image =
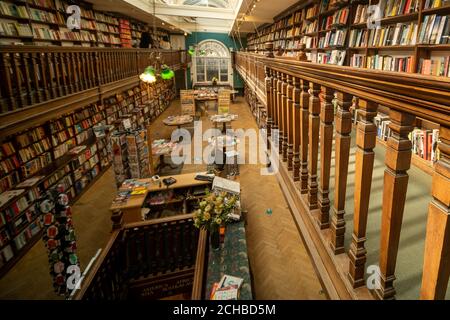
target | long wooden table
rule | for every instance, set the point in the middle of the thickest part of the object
(132, 208)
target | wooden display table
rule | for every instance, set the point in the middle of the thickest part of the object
(132, 208)
(178, 120)
(224, 119)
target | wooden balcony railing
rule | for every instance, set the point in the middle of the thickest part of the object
(299, 97)
(35, 75)
(141, 254)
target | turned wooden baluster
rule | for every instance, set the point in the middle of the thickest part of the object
(63, 68)
(398, 161)
(304, 131)
(366, 134)
(436, 265)
(70, 73)
(290, 122)
(275, 108)
(284, 115)
(296, 126)
(343, 121)
(274, 102)
(313, 148)
(280, 112)
(18, 77)
(84, 70)
(26, 62)
(269, 101)
(58, 71)
(326, 144)
(7, 81)
(76, 71)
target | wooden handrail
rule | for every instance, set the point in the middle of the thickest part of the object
(424, 96)
(309, 105)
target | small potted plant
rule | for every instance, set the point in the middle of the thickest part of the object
(213, 212)
(214, 81)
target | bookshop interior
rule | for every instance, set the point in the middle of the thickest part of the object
(224, 150)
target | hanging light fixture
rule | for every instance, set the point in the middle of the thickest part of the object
(167, 73)
(150, 73)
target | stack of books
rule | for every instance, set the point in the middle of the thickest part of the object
(227, 289)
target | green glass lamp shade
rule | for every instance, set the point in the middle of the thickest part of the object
(191, 51)
(167, 73)
(149, 75)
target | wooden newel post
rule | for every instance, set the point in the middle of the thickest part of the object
(326, 144)
(313, 150)
(366, 135)
(398, 161)
(436, 265)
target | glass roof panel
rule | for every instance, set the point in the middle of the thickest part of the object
(201, 3)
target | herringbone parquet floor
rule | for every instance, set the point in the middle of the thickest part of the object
(280, 263)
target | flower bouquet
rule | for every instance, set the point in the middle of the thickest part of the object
(214, 210)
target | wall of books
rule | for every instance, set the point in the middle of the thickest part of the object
(72, 150)
(407, 36)
(44, 22)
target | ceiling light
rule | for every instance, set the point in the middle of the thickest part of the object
(254, 6)
(163, 23)
(185, 34)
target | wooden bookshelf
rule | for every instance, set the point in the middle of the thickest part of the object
(415, 54)
(52, 17)
(77, 172)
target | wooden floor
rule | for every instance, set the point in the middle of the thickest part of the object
(280, 263)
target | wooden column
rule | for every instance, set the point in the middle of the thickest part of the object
(398, 161)
(268, 73)
(366, 140)
(326, 145)
(313, 150)
(289, 122)
(304, 130)
(296, 126)
(436, 265)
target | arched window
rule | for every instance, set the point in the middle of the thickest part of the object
(212, 60)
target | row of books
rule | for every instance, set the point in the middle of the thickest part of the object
(13, 10)
(424, 143)
(358, 38)
(338, 18)
(361, 13)
(435, 29)
(13, 29)
(437, 66)
(391, 63)
(333, 38)
(398, 35)
(336, 57)
(430, 4)
(391, 8)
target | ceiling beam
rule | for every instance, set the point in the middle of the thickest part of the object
(195, 12)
